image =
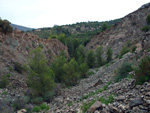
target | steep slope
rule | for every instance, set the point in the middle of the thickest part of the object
(128, 30)
(14, 49)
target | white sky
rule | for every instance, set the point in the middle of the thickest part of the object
(47, 13)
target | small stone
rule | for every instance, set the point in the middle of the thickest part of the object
(147, 102)
(120, 98)
(136, 102)
(95, 106)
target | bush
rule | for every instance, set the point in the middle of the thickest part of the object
(107, 100)
(123, 51)
(48, 96)
(109, 54)
(99, 53)
(148, 19)
(83, 69)
(4, 81)
(37, 100)
(86, 106)
(145, 28)
(5, 26)
(142, 73)
(71, 75)
(40, 107)
(90, 59)
(133, 48)
(36, 109)
(18, 67)
(123, 71)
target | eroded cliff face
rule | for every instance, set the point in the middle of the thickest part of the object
(125, 31)
(15, 47)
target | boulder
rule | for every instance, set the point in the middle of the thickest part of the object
(95, 106)
(136, 102)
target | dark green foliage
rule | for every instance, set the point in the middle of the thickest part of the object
(143, 71)
(40, 107)
(104, 26)
(39, 72)
(123, 51)
(109, 54)
(148, 19)
(90, 59)
(18, 67)
(57, 67)
(123, 71)
(86, 106)
(80, 54)
(71, 73)
(36, 109)
(5, 26)
(4, 81)
(20, 102)
(37, 100)
(90, 73)
(107, 100)
(48, 96)
(83, 69)
(145, 28)
(133, 48)
(99, 59)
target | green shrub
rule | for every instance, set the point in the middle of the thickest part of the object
(4, 81)
(109, 55)
(86, 106)
(133, 48)
(123, 51)
(5, 26)
(71, 73)
(83, 69)
(18, 67)
(142, 73)
(148, 19)
(36, 109)
(123, 71)
(145, 28)
(37, 100)
(40, 107)
(99, 53)
(90, 73)
(48, 96)
(44, 107)
(90, 59)
(107, 100)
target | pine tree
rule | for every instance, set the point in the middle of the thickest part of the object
(40, 76)
(90, 60)
(109, 55)
(99, 53)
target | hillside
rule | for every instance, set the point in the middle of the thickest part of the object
(78, 30)
(21, 28)
(126, 32)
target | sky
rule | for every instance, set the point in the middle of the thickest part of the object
(47, 13)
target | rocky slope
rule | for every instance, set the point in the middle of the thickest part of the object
(14, 49)
(128, 30)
